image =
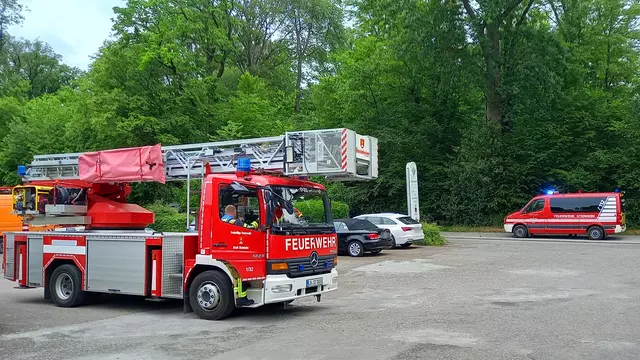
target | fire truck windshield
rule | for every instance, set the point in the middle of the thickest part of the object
(300, 209)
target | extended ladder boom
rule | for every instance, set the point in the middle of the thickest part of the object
(338, 154)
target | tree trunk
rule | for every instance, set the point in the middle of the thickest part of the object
(491, 51)
(298, 85)
(299, 50)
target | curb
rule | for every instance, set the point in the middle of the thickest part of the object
(610, 242)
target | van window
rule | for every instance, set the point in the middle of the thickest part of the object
(577, 205)
(537, 205)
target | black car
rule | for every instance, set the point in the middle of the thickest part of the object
(356, 236)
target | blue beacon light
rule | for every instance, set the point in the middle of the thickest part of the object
(244, 165)
(22, 170)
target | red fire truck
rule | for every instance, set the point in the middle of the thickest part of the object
(593, 214)
(105, 246)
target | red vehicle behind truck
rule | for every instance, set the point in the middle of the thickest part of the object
(593, 214)
(222, 263)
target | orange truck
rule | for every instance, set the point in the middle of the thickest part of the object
(8, 221)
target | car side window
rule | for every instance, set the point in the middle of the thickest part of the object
(387, 221)
(375, 220)
(340, 226)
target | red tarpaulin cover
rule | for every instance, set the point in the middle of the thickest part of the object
(123, 165)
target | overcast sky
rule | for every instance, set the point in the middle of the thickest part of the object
(74, 28)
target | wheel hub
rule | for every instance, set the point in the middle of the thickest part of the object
(208, 296)
(64, 286)
(354, 249)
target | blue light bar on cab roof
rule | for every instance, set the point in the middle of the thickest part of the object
(244, 165)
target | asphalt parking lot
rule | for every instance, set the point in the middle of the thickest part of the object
(480, 297)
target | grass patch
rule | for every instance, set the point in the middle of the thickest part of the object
(432, 236)
(480, 229)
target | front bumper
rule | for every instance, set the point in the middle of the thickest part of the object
(281, 288)
(508, 228)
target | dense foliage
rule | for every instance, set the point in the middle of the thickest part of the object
(494, 100)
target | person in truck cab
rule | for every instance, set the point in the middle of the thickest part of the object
(230, 216)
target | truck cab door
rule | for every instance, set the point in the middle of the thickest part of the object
(241, 246)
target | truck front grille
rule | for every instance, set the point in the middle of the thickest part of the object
(302, 266)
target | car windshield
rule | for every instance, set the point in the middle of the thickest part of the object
(300, 207)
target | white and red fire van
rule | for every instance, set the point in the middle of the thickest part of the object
(593, 214)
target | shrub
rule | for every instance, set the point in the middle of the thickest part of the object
(315, 209)
(168, 219)
(432, 235)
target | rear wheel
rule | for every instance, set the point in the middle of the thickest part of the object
(211, 295)
(65, 286)
(520, 231)
(595, 233)
(355, 249)
(393, 242)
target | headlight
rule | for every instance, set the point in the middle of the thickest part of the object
(281, 288)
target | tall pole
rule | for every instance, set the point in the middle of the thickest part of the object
(413, 204)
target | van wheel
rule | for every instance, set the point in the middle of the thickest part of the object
(595, 233)
(520, 231)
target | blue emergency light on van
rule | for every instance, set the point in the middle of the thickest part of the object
(244, 164)
(22, 170)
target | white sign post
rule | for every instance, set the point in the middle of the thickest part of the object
(413, 206)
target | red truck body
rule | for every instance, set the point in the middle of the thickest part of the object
(276, 263)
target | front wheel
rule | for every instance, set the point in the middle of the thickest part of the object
(355, 249)
(520, 231)
(211, 296)
(65, 286)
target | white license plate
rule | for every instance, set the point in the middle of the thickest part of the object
(314, 282)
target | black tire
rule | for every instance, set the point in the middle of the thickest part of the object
(520, 231)
(393, 242)
(595, 233)
(205, 307)
(375, 251)
(355, 248)
(65, 286)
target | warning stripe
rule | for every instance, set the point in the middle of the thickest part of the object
(344, 149)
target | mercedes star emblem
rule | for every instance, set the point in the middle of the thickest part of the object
(314, 259)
